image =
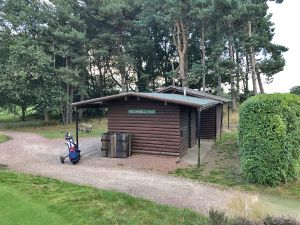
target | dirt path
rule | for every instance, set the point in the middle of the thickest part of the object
(30, 153)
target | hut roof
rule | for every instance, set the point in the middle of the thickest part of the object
(192, 92)
(163, 97)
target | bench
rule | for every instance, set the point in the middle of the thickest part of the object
(85, 127)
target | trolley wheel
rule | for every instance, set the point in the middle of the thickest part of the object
(62, 159)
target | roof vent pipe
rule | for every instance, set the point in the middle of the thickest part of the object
(184, 91)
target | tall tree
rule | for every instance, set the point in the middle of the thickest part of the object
(27, 64)
(69, 48)
(176, 14)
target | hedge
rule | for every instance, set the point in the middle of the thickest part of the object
(269, 138)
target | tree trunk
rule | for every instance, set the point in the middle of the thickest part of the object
(123, 81)
(181, 42)
(70, 104)
(62, 112)
(67, 104)
(140, 80)
(46, 115)
(246, 85)
(232, 82)
(260, 84)
(23, 109)
(237, 59)
(219, 92)
(253, 61)
(80, 111)
(203, 57)
(174, 75)
(183, 77)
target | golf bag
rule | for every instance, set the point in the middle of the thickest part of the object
(74, 152)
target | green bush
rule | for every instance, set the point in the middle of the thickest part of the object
(217, 217)
(269, 138)
(29, 123)
(280, 221)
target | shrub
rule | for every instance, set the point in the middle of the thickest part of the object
(217, 217)
(241, 221)
(29, 123)
(269, 138)
(280, 221)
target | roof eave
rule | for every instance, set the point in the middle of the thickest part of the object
(175, 101)
(176, 88)
(100, 102)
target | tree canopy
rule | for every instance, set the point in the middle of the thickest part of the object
(59, 51)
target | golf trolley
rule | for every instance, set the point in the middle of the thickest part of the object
(74, 152)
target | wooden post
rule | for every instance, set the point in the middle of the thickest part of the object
(221, 128)
(228, 107)
(76, 111)
(199, 122)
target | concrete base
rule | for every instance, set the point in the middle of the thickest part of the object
(191, 156)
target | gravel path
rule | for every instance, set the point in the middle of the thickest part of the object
(30, 153)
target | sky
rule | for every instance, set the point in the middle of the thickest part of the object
(286, 17)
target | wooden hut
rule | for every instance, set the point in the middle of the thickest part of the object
(161, 123)
(212, 117)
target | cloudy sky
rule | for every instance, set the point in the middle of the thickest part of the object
(286, 17)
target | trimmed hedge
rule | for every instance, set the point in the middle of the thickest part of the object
(269, 138)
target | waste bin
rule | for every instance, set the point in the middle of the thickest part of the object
(105, 144)
(116, 145)
(123, 145)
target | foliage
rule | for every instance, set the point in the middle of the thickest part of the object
(280, 221)
(219, 218)
(26, 124)
(37, 200)
(269, 138)
(223, 168)
(295, 90)
(60, 51)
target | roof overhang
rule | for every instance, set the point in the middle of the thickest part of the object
(192, 92)
(199, 103)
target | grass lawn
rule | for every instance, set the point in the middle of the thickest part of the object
(222, 167)
(53, 129)
(58, 131)
(30, 200)
(3, 138)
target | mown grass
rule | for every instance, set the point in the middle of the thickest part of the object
(224, 169)
(58, 131)
(51, 129)
(3, 138)
(31, 200)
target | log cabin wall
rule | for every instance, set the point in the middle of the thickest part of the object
(219, 109)
(194, 126)
(184, 130)
(208, 126)
(188, 128)
(157, 133)
(210, 118)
